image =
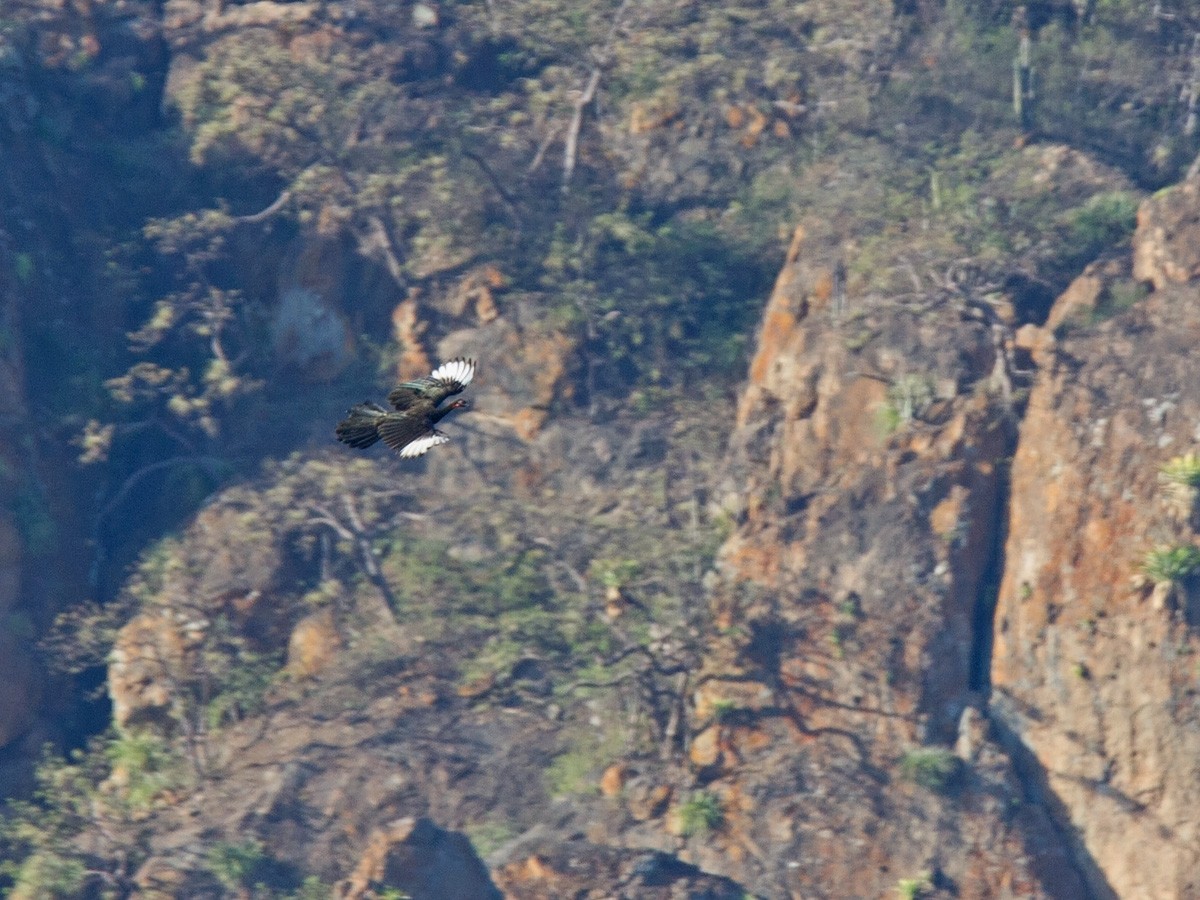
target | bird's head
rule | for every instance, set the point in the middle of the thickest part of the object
(460, 403)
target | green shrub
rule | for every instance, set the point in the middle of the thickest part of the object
(668, 303)
(573, 772)
(487, 837)
(1183, 470)
(146, 767)
(312, 888)
(1118, 297)
(616, 573)
(934, 768)
(238, 866)
(41, 850)
(48, 875)
(1172, 564)
(724, 709)
(701, 813)
(1102, 221)
(908, 398)
(914, 888)
(243, 688)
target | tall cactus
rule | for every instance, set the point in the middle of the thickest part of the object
(1022, 87)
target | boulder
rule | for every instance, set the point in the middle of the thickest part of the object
(143, 667)
(421, 859)
(314, 644)
(1166, 244)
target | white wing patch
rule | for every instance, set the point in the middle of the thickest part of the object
(460, 370)
(422, 444)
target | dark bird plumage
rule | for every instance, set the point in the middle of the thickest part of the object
(409, 428)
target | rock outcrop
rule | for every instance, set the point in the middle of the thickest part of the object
(1094, 671)
(867, 479)
(422, 860)
(1166, 249)
(577, 868)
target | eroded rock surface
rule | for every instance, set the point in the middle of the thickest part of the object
(1094, 669)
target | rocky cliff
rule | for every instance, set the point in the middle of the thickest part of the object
(907, 606)
(866, 563)
(1094, 676)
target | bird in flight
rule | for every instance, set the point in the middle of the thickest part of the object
(409, 427)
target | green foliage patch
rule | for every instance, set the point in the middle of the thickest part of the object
(238, 865)
(702, 813)
(1103, 220)
(914, 888)
(934, 768)
(145, 765)
(667, 303)
(1172, 564)
(1182, 470)
(104, 792)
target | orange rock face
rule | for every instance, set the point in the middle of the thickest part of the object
(419, 857)
(144, 663)
(1092, 676)
(1166, 247)
(314, 644)
(865, 475)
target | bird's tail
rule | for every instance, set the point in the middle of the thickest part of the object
(360, 428)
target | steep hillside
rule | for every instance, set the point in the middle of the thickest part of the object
(875, 581)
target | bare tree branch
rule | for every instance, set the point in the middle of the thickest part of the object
(587, 95)
(276, 205)
(572, 144)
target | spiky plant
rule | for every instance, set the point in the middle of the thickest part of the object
(1172, 564)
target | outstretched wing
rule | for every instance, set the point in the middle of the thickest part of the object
(410, 437)
(422, 444)
(445, 381)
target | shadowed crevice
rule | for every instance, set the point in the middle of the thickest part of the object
(1089, 881)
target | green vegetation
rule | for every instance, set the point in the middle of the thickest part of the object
(146, 767)
(701, 814)
(724, 709)
(615, 573)
(47, 874)
(1182, 470)
(934, 768)
(104, 792)
(1102, 221)
(237, 865)
(577, 770)
(1172, 564)
(572, 772)
(914, 888)
(312, 888)
(667, 303)
(487, 837)
(1118, 297)
(243, 687)
(908, 398)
